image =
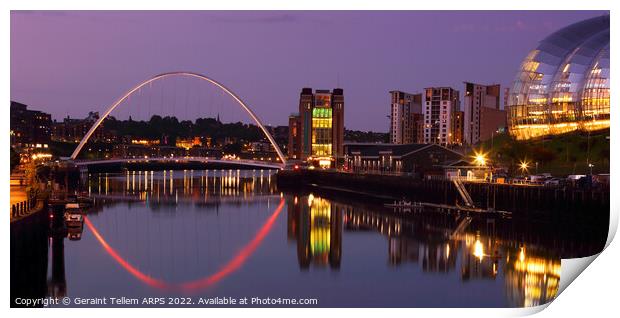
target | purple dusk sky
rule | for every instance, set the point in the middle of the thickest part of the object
(68, 63)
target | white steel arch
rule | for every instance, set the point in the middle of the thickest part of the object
(180, 73)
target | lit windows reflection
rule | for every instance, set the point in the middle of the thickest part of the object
(531, 275)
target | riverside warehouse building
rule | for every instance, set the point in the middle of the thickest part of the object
(410, 159)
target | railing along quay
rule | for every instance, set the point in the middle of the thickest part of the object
(24, 208)
(522, 199)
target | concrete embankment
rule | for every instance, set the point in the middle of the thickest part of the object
(29, 253)
(521, 200)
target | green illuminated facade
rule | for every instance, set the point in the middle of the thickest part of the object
(316, 134)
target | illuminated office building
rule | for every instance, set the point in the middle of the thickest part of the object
(29, 128)
(563, 84)
(316, 134)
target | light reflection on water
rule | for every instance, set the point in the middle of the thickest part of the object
(182, 227)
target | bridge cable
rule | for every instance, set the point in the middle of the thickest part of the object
(161, 101)
(150, 89)
(174, 98)
(186, 100)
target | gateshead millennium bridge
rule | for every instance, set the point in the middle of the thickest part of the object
(237, 99)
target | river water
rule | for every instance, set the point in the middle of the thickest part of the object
(205, 235)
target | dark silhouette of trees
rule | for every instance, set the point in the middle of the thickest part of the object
(234, 148)
(159, 126)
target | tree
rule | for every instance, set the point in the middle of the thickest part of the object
(234, 148)
(541, 154)
(30, 179)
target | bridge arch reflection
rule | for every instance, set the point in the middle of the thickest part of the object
(230, 267)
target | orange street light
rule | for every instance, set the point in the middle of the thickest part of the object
(524, 166)
(480, 158)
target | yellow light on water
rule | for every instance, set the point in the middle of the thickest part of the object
(478, 250)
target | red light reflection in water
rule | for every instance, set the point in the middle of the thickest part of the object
(233, 265)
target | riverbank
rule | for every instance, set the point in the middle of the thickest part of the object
(29, 254)
(523, 201)
(23, 206)
(562, 155)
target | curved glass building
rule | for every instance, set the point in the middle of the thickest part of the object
(563, 84)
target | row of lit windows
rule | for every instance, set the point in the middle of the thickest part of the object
(322, 113)
(321, 136)
(321, 123)
(321, 150)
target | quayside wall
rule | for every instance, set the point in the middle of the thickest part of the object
(522, 200)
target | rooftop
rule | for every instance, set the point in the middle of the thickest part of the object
(374, 149)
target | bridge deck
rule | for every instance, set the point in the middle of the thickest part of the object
(240, 162)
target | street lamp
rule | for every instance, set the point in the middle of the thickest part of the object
(480, 158)
(524, 166)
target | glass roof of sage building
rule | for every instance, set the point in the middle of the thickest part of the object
(563, 84)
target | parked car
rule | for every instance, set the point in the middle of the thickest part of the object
(585, 182)
(538, 179)
(575, 177)
(554, 182)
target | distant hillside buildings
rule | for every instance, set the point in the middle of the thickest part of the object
(73, 129)
(29, 128)
(34, 132)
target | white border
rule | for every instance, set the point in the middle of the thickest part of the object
(594, 293)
